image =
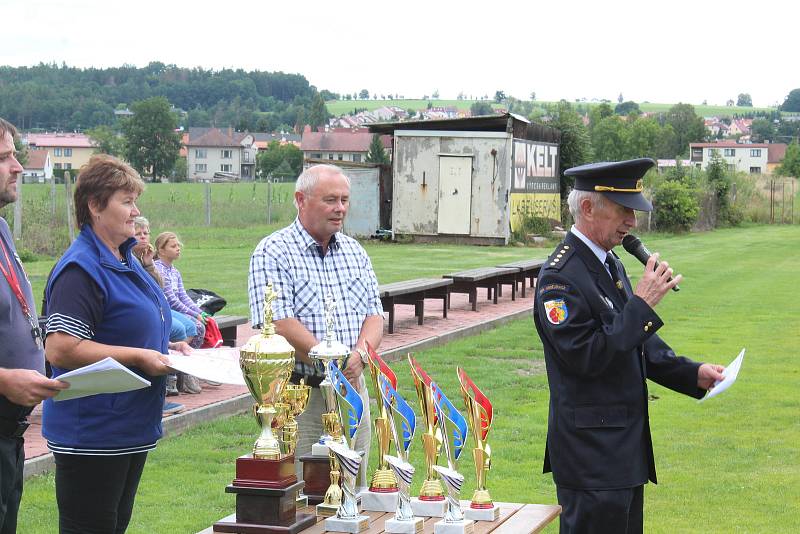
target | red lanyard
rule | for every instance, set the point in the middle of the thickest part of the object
(13, 281)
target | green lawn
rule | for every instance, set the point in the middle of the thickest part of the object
(728, 465)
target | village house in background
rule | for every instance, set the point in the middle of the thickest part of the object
(220, 155)
(340, 144)
(753, 158)
(67, 150)
(39, 168)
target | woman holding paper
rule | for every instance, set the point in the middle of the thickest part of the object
(102, 303)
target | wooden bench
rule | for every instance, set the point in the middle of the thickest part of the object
(489, 277)
(415, 292)
(527, 270)
(227, 327)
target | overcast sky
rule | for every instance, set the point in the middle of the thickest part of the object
(670, 51)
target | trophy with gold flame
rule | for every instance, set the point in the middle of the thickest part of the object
(431, 501)
(266, 485)
(382, 493)
(479, 417)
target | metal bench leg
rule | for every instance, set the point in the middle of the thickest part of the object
(496, 288)
(391, 318)
(419, 310)
(473, 296)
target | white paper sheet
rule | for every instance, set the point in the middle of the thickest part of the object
(219, 365)
(105, 376)
(730, 373)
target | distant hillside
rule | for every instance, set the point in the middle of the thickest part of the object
(344, 107)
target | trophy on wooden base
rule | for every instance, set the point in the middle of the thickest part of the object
(351, 411)
(431, 501)
(479, 417)
(403, 426)
(295, 396)
(382, 493)
(454, 431)
(266, 485)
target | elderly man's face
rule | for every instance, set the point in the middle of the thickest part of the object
(322, 211)
(607, 225)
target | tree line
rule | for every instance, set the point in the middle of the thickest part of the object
(59, 97)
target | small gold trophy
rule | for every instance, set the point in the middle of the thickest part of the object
(266, 485)
(479, 417)
(382, 493)
(431, 501)
(295, 396)
(330, 350)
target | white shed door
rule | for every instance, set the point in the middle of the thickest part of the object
(455, 193)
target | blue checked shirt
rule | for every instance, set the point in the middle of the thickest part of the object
(292, 260)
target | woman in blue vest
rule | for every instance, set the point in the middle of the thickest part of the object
(101, 303)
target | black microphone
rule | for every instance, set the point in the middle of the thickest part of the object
(636, 248)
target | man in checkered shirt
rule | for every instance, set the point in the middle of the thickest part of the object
(306, 261)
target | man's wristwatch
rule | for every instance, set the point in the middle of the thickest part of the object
(364, 357)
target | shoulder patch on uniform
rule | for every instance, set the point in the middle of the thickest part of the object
(556, 311)
(558, 257)
(553, 287)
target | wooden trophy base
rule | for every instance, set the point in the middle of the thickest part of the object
(259, 473)
(317, 476)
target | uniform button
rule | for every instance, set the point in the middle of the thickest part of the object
(566, 247)
(559, 256)
(556, 260)
(649, 323)
(562, 251)
(552, 263)
(646, 328)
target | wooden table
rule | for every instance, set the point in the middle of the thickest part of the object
(514, 518)
(489, 277)
(526, 270)
(415, 292)
(227, 325)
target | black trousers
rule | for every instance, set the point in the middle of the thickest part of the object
(12, 463)
(95, 494)
(601, 511)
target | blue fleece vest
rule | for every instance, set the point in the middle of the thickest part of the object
(135, 314)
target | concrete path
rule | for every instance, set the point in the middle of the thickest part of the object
(225, 400)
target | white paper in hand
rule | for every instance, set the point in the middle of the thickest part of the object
(105, 376)
(219, 365)
(730, 373)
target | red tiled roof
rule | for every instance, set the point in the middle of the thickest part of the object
(335, 141)
(36, 159)
(216, 137)
(64, 140)
(776, 152)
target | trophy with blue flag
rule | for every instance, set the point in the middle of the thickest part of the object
(479, 416)
(351, 410)
(403, 424)
(454, 434)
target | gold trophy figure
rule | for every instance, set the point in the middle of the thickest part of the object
(382, 493)
(295, 396)
(431, 501)
(330, 350)
(479, 416)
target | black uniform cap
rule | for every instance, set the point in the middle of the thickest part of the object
(620, 181)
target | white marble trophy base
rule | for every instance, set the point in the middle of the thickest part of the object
(465, 526)
(482, 514)
(319, 449)
(413, 526)
(351, 526)
(375, 501)
(428, 508)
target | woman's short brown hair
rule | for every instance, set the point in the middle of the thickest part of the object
(98, 180)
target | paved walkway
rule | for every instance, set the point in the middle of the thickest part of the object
(408, 337)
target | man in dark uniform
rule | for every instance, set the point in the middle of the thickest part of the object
(600, 344)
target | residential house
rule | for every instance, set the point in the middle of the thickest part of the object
(775, 154)
(340, 144)
(39, 168)
(664, 164)
(752, 158)
(67, 150)
(263, 139)
(739, 127)
(212, 150)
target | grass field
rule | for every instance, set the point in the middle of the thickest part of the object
(728, 465)
(344, 107)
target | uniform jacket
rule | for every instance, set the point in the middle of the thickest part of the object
(135, 314)
(599, 349)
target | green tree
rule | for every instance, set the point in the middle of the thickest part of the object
(107, 140)
(481, 108)
(318, 115)
(687, 126)
(626, 108)
(151, 143)
(364, 94)
(792, 101)
(575, 147)
(376, 153)
(674, 206)
(744, 100)
(598, 113)
(719, 185)
(269, 160)
(790, 166)
(609, 139)
(180, 171)
(643, 137)
(22, 151)
(499, 96)
(435, 94)
(762, 130)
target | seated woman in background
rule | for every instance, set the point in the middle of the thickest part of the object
(102, 303)
(168, 250)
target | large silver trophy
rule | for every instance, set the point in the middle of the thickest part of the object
(454, 433)
(329, 350)
(403, 424)
(351, 411)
